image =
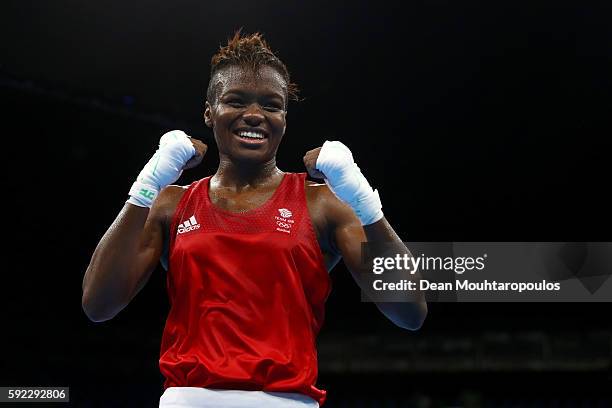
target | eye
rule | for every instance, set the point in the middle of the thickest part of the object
(273, 107)
(235, 103)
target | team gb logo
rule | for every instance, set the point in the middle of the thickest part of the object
(285, 213)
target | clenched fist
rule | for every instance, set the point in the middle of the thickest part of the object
(310, 161)
(201, 149)
(334, 163)
(176, 152)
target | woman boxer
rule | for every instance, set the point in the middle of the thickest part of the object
(247, 250)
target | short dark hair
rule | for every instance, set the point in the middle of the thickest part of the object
(248, 51)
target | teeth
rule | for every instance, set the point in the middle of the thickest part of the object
(253, 135)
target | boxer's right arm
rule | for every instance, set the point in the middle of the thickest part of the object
(131, 248)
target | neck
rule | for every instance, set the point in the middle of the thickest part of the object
(244, 174)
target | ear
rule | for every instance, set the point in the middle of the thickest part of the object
(208, 115)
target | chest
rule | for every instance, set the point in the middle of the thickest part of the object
(239, 202)
(249, 200)
(250, 211)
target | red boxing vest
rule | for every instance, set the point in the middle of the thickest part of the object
(247, 293)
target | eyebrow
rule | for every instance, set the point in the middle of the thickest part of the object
(250, 94)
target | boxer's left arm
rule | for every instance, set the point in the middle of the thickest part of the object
(348, 231)
(347, 235)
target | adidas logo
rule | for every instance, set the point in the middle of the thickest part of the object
(189, 225)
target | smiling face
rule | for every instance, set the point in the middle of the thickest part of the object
(248, 113)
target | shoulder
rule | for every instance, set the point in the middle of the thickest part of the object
(171, 194)
(324, 204)
(167, 201)
(318, 195)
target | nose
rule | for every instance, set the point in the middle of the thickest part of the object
(253, 116)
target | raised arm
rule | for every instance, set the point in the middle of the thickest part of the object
(131, 247)
(355, 216)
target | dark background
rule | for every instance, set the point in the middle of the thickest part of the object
(484, 121)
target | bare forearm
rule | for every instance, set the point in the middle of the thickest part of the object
(381, 231)
(109, 280)
(411, 313)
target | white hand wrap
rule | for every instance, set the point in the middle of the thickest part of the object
(165, 167)
(345, 180)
